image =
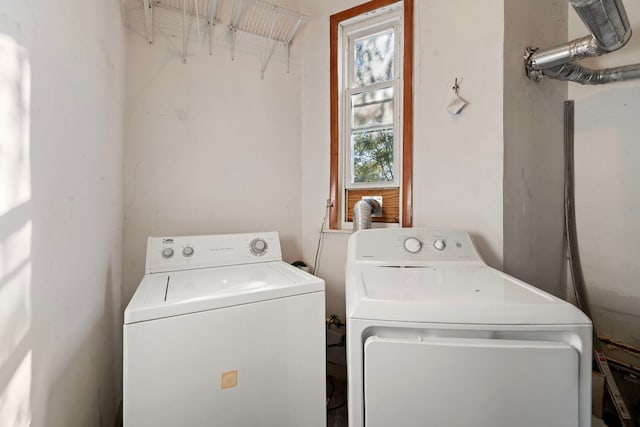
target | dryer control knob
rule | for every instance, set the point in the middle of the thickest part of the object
(167, 253)
(258, 247)
(439, 244)
(413, 245)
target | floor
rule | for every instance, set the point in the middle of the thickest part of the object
(336, 402)
(597, 423)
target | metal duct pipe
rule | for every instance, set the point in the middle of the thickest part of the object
(362, 211)
(608, 22)
(577, 73)
(577, 49)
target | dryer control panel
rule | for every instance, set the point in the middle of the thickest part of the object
(411, 246)
(178, 253)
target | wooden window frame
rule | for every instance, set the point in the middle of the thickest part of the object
(407, 107)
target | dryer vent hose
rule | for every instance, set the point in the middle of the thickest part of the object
(362, 211)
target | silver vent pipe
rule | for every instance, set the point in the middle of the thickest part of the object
(610, 30)
(575, 72)
(583, 47)
(606, 20)
(362, 211)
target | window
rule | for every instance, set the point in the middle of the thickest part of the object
(371, 109)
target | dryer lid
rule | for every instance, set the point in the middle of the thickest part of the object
(448, 293)
(444, 285)
(177, 293)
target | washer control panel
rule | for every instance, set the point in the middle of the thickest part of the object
(190, 252)
(411, 245)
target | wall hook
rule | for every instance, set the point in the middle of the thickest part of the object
(457, 104)
(456, 87)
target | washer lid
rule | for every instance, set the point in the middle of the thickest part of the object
(177, 293)
(446, 293)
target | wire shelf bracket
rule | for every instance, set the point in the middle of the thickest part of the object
(274, 23)
(194, 8)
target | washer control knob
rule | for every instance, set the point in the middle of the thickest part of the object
(187, 251)
(439, 244)
(258, 247)
(167, 253)
(413, 245)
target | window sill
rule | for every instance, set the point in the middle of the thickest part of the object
(348, 228)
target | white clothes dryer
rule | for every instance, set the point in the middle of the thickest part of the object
(222, 332)
(435, 337)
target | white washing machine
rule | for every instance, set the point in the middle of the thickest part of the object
(435, 337)
(222, 332)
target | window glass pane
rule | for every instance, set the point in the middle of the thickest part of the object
(372, 108)
(372, 154)
(373, 59)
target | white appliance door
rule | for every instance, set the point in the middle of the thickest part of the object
(260, 364)
(457, 382)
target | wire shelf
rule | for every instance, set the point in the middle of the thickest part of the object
(275, 23)
(201, 9)
(266, 20)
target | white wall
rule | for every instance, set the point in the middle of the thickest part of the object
(534, 151)
(458, 166)
(607, 155)
(61, 80)
(210, 147)
(457, 160)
